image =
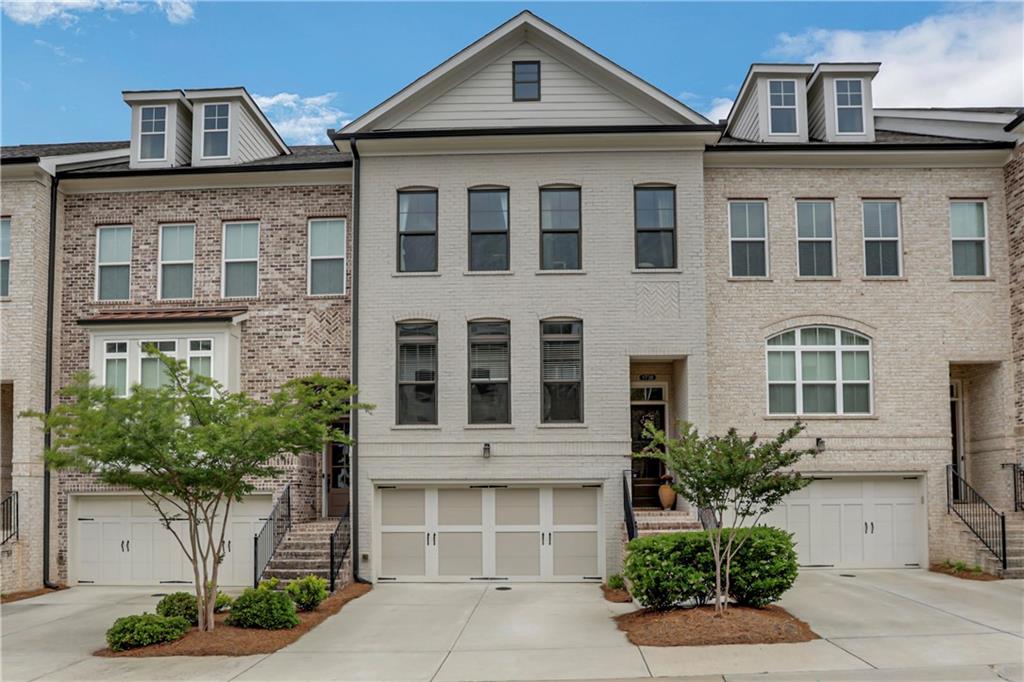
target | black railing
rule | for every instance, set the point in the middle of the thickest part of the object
(269, 537)
(627, 504)
(9, 518)
(341, 539)
(977, 514)
(1017, 471)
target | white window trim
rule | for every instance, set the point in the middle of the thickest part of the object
(728, 227)
(795, 107)
(839, 382)
(10, 231)
(161, 263)
(832, 239)
(224, 258)
(310, 257)
(131, 247)
(898, 238)
(107, 355)
(202, 135)
(984, 240)
(189, 353)
(163, 157)
(143, 356)
(862, 107)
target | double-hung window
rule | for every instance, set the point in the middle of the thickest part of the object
(561, 371)
(417, 230)
(215, 130)
(525, 81)
(241, 260)
(819, 370)
(489, 372)
(748, 239)
(782, 107)
(5, 257)
(967, 222)
(177, 260)
(417, 373)
(115, 367)
(326, 257)
(113, 262)
(560, 228)
(488, 229)
(849, 106)
(815, 245)
(153, 373)
(152, 133)
(881, 238)
(655, 219)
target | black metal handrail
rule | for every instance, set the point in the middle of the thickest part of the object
(9, 517)
(627, 504)
(1017, 471)
(987, 524)
(269, 537)
(341, 539)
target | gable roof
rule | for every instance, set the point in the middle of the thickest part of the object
(30, 153)
(519, 28)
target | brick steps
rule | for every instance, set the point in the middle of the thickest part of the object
(657, 522)
(304, 550)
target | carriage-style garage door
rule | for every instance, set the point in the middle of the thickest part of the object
(855, 522)
(480, 533)
(120, 540)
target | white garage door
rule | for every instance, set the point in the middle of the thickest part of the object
(489, 533)
(120, 540)
(855, 522)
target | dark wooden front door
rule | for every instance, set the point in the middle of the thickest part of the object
(646, 472)
(337, 470)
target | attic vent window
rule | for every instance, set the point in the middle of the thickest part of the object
(152, 133)
(215, 131)
(525, 81)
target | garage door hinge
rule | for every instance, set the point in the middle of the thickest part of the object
(177, 582)
(591, 577)
(386, 487)
(82, 518)
(487, 578)
(592, 485)
(87, 581)
(488, 486)
(380, 578)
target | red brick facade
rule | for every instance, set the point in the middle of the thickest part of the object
(287, 334)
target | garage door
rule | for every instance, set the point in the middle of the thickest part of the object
(120, 540)
(855, 522)
(489, 533)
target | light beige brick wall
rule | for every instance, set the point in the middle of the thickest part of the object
(624, 314)
(1014, 183)
(920, 323)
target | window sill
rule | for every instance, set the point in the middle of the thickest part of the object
(884, 278)
(488, 427)
(819, 417)
(241, 298)
(429, 273)
(415, 427)
(326, 297)
(572, 425)
(657, 271)
(749, 279)
(817, 279)
(561, 272)
(972, 279)
(488, 273)
(112, 301)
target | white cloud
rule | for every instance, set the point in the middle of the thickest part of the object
(719, 109)
(59, 51)
(66, 12)
(966, 57)
(302, 120)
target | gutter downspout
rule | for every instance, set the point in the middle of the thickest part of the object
(354, 420)
(51, 276)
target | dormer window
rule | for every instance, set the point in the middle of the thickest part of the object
(215, 131)
(152, 133)
(782, 107)
(850, 106)
(525, 81)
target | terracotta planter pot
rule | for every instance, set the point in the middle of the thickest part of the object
(666, 496)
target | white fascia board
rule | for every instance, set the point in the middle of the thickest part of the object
(51, 164)
(242, 95)
(864, 69)
(947, 115)
(155, 97)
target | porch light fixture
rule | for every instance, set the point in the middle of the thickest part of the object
(819, 444)
(487, 450)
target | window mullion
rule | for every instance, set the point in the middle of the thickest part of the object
(799, 361)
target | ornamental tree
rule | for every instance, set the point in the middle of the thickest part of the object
(192, 448)
(732, 479)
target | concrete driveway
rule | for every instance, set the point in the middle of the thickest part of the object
(878, 625)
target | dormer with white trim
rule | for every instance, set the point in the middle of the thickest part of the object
(161, 128)
(839, 102)
(772, 104)
(230, 128)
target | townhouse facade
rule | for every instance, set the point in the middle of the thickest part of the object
(521, 258)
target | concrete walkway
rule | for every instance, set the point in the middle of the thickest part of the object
(878, 625)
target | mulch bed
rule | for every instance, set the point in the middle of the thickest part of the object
(617, 596)
(226, 640)
(700, 627)
(28, 594)
(964, 575)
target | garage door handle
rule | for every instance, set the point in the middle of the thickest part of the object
(542, 539)
(872, 527)
(865, 527)
(122, 545)
(229, 545)
(129, 545)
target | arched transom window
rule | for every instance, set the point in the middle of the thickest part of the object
(819, 370)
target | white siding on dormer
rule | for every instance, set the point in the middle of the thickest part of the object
(747, 124)
(485, 99)
(250, 142)
(183, 138)
(816, 112)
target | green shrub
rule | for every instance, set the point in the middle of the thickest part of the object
(179, 604)
(308, 592)
(763, 568)
(132, 632)
(616, 581)
(664, 570)
(222, 602)
(263, 608)
(269, 584)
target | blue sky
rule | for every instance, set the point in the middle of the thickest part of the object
(315, 65)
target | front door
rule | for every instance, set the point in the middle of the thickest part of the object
(337, 470)
(956, 422)
(646, 472)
